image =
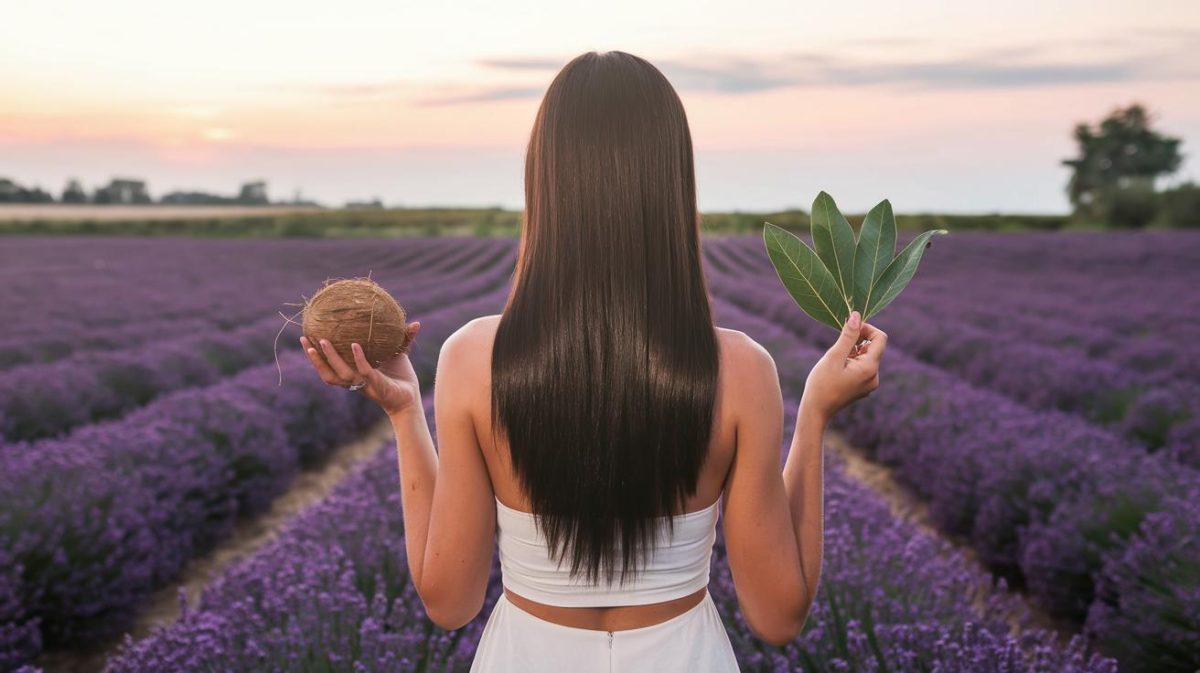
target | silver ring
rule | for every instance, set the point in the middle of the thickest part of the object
(357, 386)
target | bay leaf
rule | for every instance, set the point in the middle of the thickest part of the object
(898, 273)
(833, 238)
(875, 249)
(805, 276)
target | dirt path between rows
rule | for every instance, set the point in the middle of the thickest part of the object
(907, 506)
(902, 503)
(249, 535)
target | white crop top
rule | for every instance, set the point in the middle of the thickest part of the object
(674, 568)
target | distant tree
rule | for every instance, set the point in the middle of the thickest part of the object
(74, 193)
(122, 190)
(254, 192)
(1118, 160)
(374, 204)
(11, 192)
(38, 195)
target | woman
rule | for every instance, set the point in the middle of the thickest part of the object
(593, 425)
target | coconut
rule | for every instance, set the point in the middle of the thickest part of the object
(358, 311)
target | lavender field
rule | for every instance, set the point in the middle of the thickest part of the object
(1039, 404)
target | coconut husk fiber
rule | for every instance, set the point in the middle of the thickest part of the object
(356, 310)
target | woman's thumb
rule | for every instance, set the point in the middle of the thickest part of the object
(850, 331)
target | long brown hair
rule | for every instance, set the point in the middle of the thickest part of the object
(605, 363)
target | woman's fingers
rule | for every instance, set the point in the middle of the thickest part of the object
(360, 362)
(878, 337)
(872, 332)
(323, 370)
(343, 370)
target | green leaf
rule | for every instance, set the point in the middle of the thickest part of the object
(834, 240)
(800, 269)
(876, 246)
(897, 274)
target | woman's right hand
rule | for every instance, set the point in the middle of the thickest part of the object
(847, 372)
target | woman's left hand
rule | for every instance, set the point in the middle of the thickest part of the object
(393, 385)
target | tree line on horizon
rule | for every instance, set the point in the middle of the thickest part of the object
(132, 191)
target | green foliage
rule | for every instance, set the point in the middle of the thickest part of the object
(806, 278)
(875, 250)
(984, 222)
(1131, 207)
(834, 240)
(1121, 152)
(11, 192)
(1180, 207)
(897, 274)
(844, 274)
(742, 222)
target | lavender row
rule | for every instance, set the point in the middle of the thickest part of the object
(152, 280)
(76, 295)
(1047, 500)
(1160, 352)
(45, 400)
(279, 276)
(156, 278)
(1151, 412)
(332, 593)
(95, 521)
(1139, 407)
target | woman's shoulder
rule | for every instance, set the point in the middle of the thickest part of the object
(740, 348)
(475, 337)
(479, 329)
(747, 368)
(466, 355)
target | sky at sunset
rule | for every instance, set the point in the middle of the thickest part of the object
(950, 107)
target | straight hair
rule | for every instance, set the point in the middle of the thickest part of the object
(605, 362)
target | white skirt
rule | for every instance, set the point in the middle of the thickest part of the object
(515, 641)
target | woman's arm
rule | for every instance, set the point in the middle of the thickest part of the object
(447, 496)
(845, 373)
(804, 481)
(417, 462)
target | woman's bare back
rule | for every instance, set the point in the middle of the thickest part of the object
(507, 487)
